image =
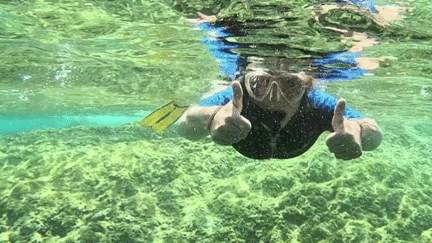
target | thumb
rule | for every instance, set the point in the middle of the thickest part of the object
(237, 98)
(338, 118)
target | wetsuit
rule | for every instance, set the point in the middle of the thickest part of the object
(268, 140)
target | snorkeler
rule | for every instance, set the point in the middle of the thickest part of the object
(279, 115)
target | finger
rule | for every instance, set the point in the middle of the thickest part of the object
(338, 118)
(338, 142)
(228, 136)
(242, 126)
(237, 98)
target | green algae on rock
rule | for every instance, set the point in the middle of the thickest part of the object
(171, 190)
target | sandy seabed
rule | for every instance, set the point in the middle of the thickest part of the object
(128, 184)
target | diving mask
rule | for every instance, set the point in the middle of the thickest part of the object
(261, 85)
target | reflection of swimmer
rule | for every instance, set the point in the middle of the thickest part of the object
(279, 115)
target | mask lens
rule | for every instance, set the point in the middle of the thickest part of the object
(259, 86)
(291, 88)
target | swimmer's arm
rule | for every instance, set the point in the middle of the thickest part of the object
(193, 123)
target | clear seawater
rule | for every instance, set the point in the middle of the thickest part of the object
(77, 76)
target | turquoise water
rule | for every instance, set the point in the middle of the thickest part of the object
(68, 57)
(76, 76)
(12, 124)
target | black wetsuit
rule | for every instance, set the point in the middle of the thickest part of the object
(268, 140)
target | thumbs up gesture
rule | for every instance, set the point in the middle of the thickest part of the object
(228, 126)
(345, 141)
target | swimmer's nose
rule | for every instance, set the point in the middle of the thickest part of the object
(275, 92)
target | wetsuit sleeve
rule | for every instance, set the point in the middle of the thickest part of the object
(327, 102)
(219, 98)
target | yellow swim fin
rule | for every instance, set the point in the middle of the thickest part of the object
(164, 116)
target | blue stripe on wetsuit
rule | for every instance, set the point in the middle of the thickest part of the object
(219, 98)
(318, 98)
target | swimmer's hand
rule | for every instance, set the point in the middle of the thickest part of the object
(345, 141)
(351, 137)
(228, 126)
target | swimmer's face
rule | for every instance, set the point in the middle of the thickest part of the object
(278, 93)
